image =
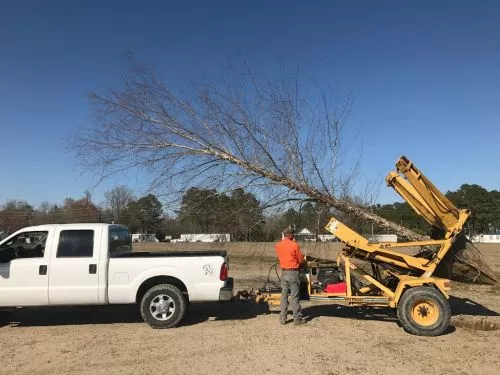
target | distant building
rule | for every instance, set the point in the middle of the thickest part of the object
(306, 235)
(203, 237)
(486, 238)
(326, 238)
(140, 237)
(383, 238)
(303, 235)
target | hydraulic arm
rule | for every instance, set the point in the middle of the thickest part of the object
(428, 202)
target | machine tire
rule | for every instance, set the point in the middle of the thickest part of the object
(163, 306)
(424, 311)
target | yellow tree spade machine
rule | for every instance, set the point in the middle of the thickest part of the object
(386, 275)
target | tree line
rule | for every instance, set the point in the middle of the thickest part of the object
(239, 213)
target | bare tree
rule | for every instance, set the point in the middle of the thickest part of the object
(14, 215)
(227, 134)
(44, 207)
(117, 200)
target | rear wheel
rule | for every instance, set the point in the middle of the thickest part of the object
(424, 311)
(163, 306)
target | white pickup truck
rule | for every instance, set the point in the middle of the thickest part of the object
(93, 264)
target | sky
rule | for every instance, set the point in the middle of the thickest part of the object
(424, 77)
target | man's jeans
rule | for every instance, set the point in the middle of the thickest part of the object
(290, 283)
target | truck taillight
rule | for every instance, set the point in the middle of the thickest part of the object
(223, 272)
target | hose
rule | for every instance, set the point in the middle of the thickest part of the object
(275, 266)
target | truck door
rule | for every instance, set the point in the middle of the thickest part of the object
(24, 269)
(74, 271)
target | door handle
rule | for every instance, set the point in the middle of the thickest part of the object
(42, 270)
(93, 268)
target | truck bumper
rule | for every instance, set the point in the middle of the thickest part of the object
(226, 292)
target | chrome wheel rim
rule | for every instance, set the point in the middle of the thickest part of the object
(162, 307)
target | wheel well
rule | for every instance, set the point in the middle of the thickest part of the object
(157, 280)
(429, 285)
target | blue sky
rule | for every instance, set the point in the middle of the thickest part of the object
(425, 77)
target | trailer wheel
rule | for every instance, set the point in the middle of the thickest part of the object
(424, 311)
(163, 306)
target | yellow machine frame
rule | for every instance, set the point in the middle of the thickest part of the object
(409, 270)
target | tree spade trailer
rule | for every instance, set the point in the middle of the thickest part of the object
(380, 274)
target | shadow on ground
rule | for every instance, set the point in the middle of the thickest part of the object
(199, 313)
(350, 312)
(360, 313)
(465, 306)
(54, 316)
(48, 316)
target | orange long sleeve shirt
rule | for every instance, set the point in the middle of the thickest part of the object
(289, 254)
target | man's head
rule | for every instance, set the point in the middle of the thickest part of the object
(289, 233)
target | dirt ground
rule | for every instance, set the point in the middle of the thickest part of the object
(243, 338)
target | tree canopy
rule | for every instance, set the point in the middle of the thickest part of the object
(208, 211)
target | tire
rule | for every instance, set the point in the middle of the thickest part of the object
(163, 306)
(4, 317)
(424, 311)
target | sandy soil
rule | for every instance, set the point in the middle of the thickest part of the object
(242, 338)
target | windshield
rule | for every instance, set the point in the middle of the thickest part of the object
(120, 240)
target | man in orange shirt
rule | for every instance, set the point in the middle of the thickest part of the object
(290, 257)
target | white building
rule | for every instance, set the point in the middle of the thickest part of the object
(303, 235)
(326, 238)
(383, 238)
(306, 235)
(204, 237)
(139, 237)
(485, 238)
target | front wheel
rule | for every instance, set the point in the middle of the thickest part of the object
(163, 306)
(424, 311)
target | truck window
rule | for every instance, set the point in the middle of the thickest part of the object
(76, 244)
(24, 245)
(119, 241)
